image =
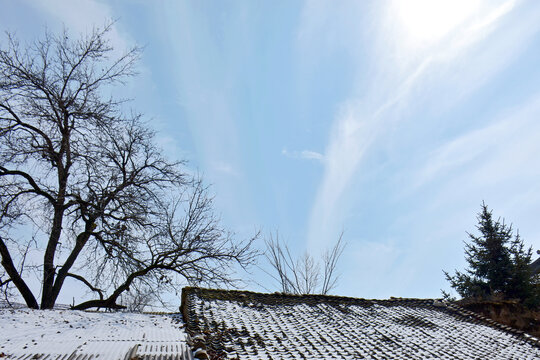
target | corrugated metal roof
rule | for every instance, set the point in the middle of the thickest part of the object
(66, 334)
(118, 350)
(251, 325)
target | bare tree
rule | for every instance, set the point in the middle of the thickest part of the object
(105, 208)
(303, 275)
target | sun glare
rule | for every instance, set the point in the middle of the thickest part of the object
(427, 21)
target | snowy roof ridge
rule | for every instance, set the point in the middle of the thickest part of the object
(225, 294)
(526, 337)
(273, 325)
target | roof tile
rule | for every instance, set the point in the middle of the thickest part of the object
(252, 325)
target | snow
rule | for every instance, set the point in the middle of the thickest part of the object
(109, 335)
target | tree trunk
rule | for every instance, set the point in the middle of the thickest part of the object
(25, 291)
(47, 298)
(81, 241)
(110, 302)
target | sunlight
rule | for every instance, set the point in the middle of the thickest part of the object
(427, 21)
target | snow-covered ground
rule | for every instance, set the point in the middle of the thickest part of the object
(109, 335)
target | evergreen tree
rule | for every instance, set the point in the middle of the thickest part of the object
(498, 264)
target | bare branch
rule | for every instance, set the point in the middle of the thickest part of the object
(303, 275)
(330, 260)
(87, 283)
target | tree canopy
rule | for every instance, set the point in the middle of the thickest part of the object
(84, 186)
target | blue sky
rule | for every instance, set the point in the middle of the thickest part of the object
(389, 120)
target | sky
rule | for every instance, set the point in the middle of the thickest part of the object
(390, 121)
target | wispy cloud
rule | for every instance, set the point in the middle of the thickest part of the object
(363, 119)
(304, 154)
(510, 143)
(226, 168)
(82, 16)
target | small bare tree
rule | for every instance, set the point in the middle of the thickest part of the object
(139, 297)
(103, 205)
(303, 275)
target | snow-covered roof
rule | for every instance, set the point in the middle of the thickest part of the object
(250, 325)
(70, 334)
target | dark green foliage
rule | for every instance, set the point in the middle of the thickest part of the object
(498, 264)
